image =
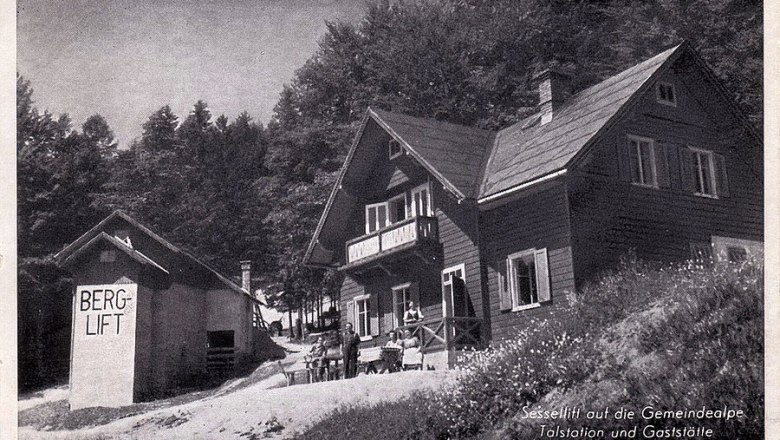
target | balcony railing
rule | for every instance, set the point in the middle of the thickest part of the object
(455, 333)
(411, 230)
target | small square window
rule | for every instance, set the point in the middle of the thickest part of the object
(394, 149)
(108, 256)
(666, 94)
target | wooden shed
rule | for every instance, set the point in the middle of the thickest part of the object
(148, 317)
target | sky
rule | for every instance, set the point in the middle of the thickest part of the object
(124, 59)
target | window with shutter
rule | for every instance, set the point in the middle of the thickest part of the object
(704, 174)
(401, 296)
(529, 279)
(362, 310)
(642, 161)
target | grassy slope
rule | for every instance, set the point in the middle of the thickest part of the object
(671, 338)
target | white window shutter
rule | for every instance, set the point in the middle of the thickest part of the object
(387, 310)
(721, 177)
(373, 311)
(504, 295)
(542, 275)
(661, 165)
(351, 313)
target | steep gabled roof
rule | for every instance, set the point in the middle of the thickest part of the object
(98, 231)
(117, 243)
(484, 165)
(453, 153)
(521, 154)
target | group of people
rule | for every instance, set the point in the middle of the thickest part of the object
(405, 355)
(350, 342)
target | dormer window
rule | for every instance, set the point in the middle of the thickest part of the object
(394, 149)
(665, 94)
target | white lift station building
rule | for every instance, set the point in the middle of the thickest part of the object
(149, 318)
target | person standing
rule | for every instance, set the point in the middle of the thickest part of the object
(413, 314)
(349, 349)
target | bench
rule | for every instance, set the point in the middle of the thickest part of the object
(290, 375)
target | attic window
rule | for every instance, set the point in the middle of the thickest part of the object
(394, 149)
(666, 94)
(108, 256)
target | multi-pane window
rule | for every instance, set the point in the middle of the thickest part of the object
(453, 285)
(376, 217)
(642, 161)
(704, 172)
(421, 201)
(398, 208)
(401, 297)
(666, 94)
(362, 307)
(522, 270)
(523, 280)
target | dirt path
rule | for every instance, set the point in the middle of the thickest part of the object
(263, 409)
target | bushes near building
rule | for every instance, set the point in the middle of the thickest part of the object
(672, 338)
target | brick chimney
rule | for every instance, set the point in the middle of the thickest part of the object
(553, 91)
(246, 275)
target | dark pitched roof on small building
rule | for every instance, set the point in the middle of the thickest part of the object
(117, 243)
(97, 233)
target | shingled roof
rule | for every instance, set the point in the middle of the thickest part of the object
(481, 163)
(455, 152)
(521, 154)
(484, 165)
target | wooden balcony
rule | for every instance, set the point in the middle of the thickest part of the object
(457, 333)
(391, 240)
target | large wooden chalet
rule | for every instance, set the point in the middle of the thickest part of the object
(484, 228)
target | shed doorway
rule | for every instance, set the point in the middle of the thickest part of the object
(221, 353)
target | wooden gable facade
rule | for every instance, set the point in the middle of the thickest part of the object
(656, 159)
